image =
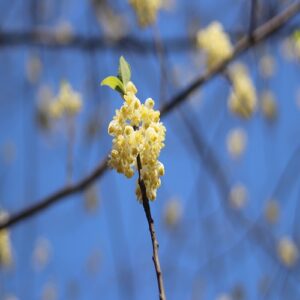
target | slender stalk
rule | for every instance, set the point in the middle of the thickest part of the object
(155, 245)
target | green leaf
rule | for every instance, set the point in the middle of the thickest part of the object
(124, 72)
(114, 83)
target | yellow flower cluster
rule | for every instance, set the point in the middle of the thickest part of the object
(287, 251)
(68, 102)
(272, 211)
(215, 43)
(268, 105)
(146, 10)
(5, 247)
(137, 130)
(236, 142)
(173, 212)
(242, 99)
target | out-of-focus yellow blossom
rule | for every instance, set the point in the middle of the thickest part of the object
(114, 24)
(137, 129)
(68, 102)
(287, 49)
(41, 253)
(33, 68)
(296, 40)
(268, 105)
(236, 142)
(91, 198)
(224, 297)
(5, 246)
(172, 212)
(287, 251)
(238, 196)
(49, 291)
(242, 99)
(290, 47)
(64, 32)
(267, 66)
(215, 44)
(146, 11)
(272, 211)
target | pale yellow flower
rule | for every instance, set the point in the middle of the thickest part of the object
(242, 100)
(267, 66)
(236, 142)
(67, 103)
(268, 105)
(238, 196)
(215, 44)
(173, 212)
(272, 211)
(146, 11)
(5, 246)
(137, 130)
(287, 251)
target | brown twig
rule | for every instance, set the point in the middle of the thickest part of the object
(260, 34)
(155, 257)
(252, 23)
(54, 198)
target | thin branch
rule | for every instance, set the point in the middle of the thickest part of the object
(155, 257)
(52, 40)
(252, 24)
(56, 197)
(260, 34)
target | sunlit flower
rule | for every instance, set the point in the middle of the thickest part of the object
(272, 211)
(172, 212)
(242, 99)
(267, 66)
(5, 246)
(215, 44)
(146, 11)
(268, 105)
(236, 142)
(137, 130)
(68, 102)
(238, 196)
(287, 251)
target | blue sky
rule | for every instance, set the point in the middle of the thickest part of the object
(105, 252)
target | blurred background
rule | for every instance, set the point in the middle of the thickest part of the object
(227, 213)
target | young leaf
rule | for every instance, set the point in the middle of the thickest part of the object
(114, 83)
(124, 72)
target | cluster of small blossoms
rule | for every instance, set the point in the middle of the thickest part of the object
(68, 102)
(215, 43)
(146, 11)
(5, 247)
(242, 99)
(137, 130)
(287, 251)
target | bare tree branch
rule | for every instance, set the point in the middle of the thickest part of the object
(155, 257)
(56, 197)
(260, 34)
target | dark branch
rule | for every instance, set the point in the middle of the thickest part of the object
(155, 257)
(56, 197)
(52, 40)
